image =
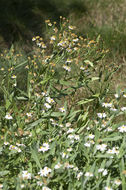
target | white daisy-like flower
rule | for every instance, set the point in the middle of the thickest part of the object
(76, 137)
(91, 136)
(123, 109)
(75, 40)
(68, 60)
(45, 171)
(6, 143)
(45, 188)
(69, 149)
(89, 174)
(1, 186)
(101, 147)
(13, 77)
(100, 170)
(82, 68)
(116, 95)
(122, 128)
(105, 172)
(47, 105)
(117, 182)
(57, 166)
(45, 147)
(70, 130)
(29, 114)
(107, 105)
(64, 155)
(114, 150)
(62, 109)
(8, 116)
(101, 115)
(49, 100)
(87, 144)
(68, 124)
(67, 68)
(39, 183)
(79, 175)
(108, 188)
(53, 38)
(124, 95)
(26, 175)
(71, 27)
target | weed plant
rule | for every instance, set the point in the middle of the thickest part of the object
(63, 129)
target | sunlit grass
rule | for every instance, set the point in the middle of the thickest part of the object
(59, 125)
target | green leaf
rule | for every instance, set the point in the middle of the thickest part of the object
(85, 101)
(112, 138)
(35, 157)
(5, 172)
(89, 62)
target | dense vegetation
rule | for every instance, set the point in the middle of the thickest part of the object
(62, 108)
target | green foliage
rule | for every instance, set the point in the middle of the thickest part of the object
(60, 128)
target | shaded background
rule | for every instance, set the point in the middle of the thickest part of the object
(20, 20)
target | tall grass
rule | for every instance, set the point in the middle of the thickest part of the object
(63, 130)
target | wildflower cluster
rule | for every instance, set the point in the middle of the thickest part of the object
(61, 131)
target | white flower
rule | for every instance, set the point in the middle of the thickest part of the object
(113, 109)
(69, 149)
(82, 68)
(75, 169)
(113, 151)
(116, 95)
(45, 188)
(68, 124)
(12, 147)
(64, 155)
(100, 170)
(109, 129)
(76, 137)
(87, 144)
(91, 136)
(123, 109)
(89, 174)
(105, 172)
(75, 40)
(26, 175)
(45, 171)
(101, 115)
(70, 136)
(62, 109)
(29, 114)
(57, 166)
(39, 183)
(45, 147)
(49, 100)
(13, 77)
(122, 128)
(1, 186)
(70, 130)
(67, 165)
(6, 143)
(67, 68)
(79, 175)
(71, 27)
(8, 116)
(53, 38)
(117, 182)
(47, 105)
(124, 95)
(107, 105)
(108, 188)
(68, 60)
(101, 147)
